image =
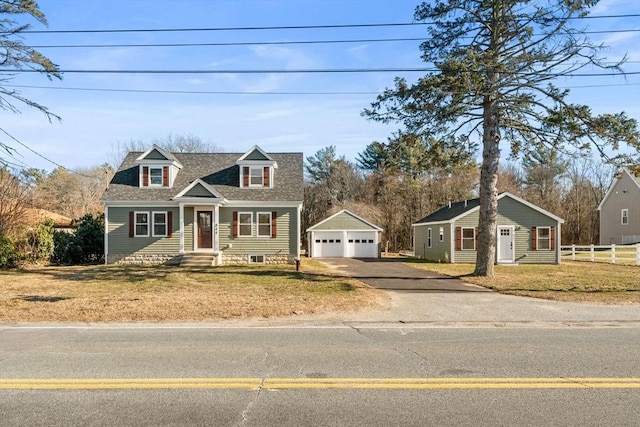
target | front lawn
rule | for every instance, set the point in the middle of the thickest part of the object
(161, 293)
(569, 281)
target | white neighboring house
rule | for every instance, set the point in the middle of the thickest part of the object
(620, 210)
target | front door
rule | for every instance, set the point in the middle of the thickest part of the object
(205, 240)
(505, 244)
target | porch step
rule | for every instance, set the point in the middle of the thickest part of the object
(198, 260)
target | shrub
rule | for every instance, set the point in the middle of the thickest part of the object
(85, 246)
(8, 252)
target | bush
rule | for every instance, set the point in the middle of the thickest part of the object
(8, 252)
(37, 244)
(85, 246)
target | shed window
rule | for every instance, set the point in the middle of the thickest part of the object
(544, 238)
(468, 238)
(624, 216)
(442, 234)
(428, 237)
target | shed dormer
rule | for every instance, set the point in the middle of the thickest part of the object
(157, 168)
(256, 169)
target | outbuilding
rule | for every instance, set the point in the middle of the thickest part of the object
(526, 233)
(344, 235)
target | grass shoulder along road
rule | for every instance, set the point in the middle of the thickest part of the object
(568, 281)
(163, 293)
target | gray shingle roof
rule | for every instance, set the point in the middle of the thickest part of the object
(217, 169)
(449, 212)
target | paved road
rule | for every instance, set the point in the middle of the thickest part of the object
(330, 376)
(420, 296)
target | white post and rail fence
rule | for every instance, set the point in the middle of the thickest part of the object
(627, 254)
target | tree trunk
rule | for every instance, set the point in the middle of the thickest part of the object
(486, 250)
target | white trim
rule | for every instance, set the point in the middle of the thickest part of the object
(196, 210)
(216, 231)
(135, 223)
(169, 156)
(538, 238)
(251, 150)
(512, 234)
(264, 258)
(452, 242)
(239, 223)
(500, 196)
(348, 213)
(141, 204)
(623, 216)
(206, 186)
(153, 224)
(181, 213)
(258, 223)
(257, 204)
(260, 170)
(615, 183)
(106, 234)
(161, 169)
(298, 231)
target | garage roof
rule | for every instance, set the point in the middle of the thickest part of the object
(344, 220)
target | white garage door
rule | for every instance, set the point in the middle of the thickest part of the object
(328, 244)
(361, 244)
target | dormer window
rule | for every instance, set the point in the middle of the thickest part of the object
(256, 168)
(155, 177)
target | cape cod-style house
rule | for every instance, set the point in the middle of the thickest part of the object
(163, 207)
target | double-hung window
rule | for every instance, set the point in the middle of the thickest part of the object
(159, 224)
(256, 176)
(245, 224)
(428, 237)
(624, 216)
(264, 224)
(544, 238)
(141, 224)
(155, 177)
(468, 238)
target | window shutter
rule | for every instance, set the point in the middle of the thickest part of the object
(145, 176)
(235, 224)
(553, 238)
(245, 176)
(534, 238)
(458, 238)
(475, 235)
(169, 224)
(165, 176)
(274, 224)
(266, 176)
(131, 223)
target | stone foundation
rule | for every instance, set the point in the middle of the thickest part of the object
(268, 258)
(139, 259)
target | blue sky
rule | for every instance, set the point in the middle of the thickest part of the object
(94, 122)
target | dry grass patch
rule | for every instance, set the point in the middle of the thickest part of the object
(162, 293)
(569, 281)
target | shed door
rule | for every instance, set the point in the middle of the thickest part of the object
(328, 244)
(505, 244)
(362, 244)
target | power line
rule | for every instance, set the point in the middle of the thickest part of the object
(271, 43)
(301, 71)
(216, 92)
(279, 27)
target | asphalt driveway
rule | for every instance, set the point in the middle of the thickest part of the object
(391, 275)
(423, 297)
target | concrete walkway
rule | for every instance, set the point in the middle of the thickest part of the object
(422, 296)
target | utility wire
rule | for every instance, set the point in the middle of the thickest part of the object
(272, 43)
(280, 27)
(299, 71)
(216, 92)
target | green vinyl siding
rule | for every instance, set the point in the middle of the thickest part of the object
(155, 155)
(255, 155)
(344, 221)
(118, 232)
(285, 242)
(523, 218)
(198, 191)
(439, 251)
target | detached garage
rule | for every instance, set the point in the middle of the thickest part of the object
(344, 235)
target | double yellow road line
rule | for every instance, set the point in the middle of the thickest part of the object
(318, 383)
